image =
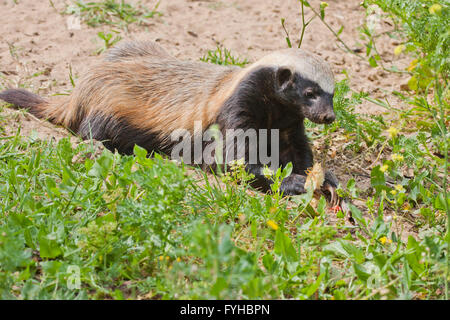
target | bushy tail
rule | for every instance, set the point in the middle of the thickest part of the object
(53, 110)
(23, 99)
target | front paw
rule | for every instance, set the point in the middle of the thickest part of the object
(293, 185)
(329, 187)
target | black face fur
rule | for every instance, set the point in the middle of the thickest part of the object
(304, 95)
(270, 98)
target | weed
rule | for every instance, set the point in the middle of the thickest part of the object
(109, 40)
(223, 56)
(111, 12)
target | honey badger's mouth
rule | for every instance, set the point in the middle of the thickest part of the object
(324, 118)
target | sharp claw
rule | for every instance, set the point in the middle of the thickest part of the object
(334, 198)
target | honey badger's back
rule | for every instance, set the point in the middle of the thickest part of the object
(138, 95)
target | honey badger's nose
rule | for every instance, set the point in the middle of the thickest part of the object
(328, 118)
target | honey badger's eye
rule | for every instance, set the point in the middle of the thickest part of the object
(309, 93)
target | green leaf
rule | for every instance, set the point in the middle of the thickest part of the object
(321, 205)
(353, 252)
(357, 215)
(287, 170)
(377, 180)
(306, 3)
(413, 83)
(406, 279)
(102, 166)
(439, 202)
(361, 272)
(313, 288)
(344, 248)
(218, 287)
(413, 255)
(373, 63)
(48, 248)
(13, 252)
(255, 288)
(117, 295)
(283, 246)
(51, 267)
(289, 42)
(268, 262)
(141, 153)
(336, 249)
(68, 178)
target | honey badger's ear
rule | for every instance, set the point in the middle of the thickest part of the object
(283, 77)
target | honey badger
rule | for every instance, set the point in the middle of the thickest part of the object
(139, 94)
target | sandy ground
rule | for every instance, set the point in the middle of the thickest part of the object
(38, 49)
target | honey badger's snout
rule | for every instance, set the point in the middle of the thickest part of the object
(321, 110)
(327, 117)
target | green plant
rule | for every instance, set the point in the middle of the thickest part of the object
(304, 25)
(417, 139)
(109, 40)
(111, 12)
(223, 56)
(425, 26)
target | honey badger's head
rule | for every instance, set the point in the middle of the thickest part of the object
(305, 82)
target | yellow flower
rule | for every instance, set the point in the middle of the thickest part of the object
(236, 164)
(393, 192)
(167, 258)
(399, 188)
(399, 49)
(272, 224)
(435, 9)
(267, 172)
(397, 157)
(347, 137)
(384, 167)
(178, 259)
(413, 83)
(413, 65)
(323, 4)
(383, 240)
(393, 132)
(161, 258)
